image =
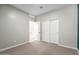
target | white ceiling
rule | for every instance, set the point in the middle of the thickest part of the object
(34, 9)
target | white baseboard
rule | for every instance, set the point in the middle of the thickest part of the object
(70, 48)
(64, 46)
(12, 46)
(67, 46)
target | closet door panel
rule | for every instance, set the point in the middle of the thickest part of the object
(45, 31)
(54, 31)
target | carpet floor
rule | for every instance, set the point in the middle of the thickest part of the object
(39, 48)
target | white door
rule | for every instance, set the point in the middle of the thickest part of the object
(50, 31)
(45, 31)
(34, 31)
(54, 31)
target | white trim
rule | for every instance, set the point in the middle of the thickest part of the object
(12, 46)
(69, 47)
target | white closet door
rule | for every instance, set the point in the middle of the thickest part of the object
(45, 31)
(54, 31)
(50, 31)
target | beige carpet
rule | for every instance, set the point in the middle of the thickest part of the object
(40, 48)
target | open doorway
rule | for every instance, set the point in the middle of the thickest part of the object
(34, 31)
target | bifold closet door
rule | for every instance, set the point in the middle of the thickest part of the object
(54, 31)
(45, 31)
(50, 31)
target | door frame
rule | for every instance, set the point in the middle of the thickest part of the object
(78, 28)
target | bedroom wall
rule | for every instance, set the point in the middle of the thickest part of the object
(13, 26)
(67, 17)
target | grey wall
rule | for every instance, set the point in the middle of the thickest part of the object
(13, 26)
(68, 27)
(67, 17)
